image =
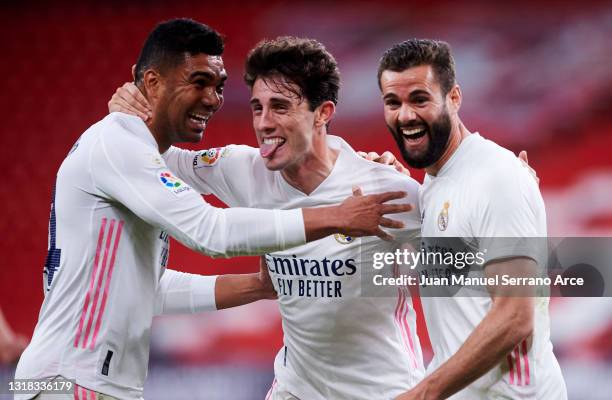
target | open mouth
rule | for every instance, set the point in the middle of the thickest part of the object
(413, 134)
(269, 145)
(199, 120)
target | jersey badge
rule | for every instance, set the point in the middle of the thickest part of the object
(443, 217)
(343, 239)
(208, 158)
(172, 183)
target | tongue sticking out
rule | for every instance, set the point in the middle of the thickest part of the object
(267, 149)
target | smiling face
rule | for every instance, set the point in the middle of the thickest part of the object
(187, 97)
(283, 123)
(417, 113)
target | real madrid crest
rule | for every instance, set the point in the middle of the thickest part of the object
(343, 239)
(443, 217)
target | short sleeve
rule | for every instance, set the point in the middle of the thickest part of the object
(509, 218)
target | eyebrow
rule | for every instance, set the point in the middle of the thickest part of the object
(279, 100)
(206, 75)
(390, 96)
(273, 100)
(419, 92)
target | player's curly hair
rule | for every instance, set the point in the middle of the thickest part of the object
(169, 42)
(303, 62)
(416, 52)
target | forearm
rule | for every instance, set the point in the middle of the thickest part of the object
(320, 222)
(183, 293)
(497, 334)
(250, 231)
(238, 289)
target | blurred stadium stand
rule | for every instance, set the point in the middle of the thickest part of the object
(534, 76)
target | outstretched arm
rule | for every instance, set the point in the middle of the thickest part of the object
(184, 293)
(236, 290)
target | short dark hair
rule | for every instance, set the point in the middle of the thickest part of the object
(416, 52)
(169, 42)
(303, 62)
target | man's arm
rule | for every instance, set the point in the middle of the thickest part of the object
(236, 290)
(508, 322)
(180, 292)
(127, 170)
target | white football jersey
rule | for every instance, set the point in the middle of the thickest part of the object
(338, 343)
(115, 203)
(484, 191)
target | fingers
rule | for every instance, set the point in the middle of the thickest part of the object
(128, 99)
(140, 102)
(390, 223)
(387, 158)
(523, 157)
(119, 104)
(357, 191)
(400, 168)
(395, 208)
(386, 196)
(383, 235)
(372, 156)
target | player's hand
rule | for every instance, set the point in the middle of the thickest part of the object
(129, 100)
(387, 158)
(265, 281)
(11, 348)
(361, 215)
(523, 157)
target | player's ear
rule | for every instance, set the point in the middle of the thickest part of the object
(152, 83)
(455, 97)
(324, 113)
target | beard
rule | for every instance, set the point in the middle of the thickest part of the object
(438, 133)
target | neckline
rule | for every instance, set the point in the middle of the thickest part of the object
(455, 156)
(332, 143)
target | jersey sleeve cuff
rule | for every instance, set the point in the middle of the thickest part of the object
(203, 293)
(290, 227)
